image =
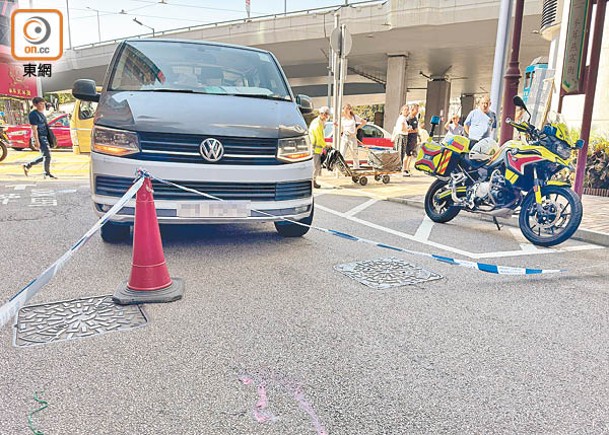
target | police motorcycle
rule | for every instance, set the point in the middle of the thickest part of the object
(481, 177)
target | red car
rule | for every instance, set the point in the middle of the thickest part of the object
(374, 137)
(20, 136)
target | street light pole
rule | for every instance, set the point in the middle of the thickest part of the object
(142, 24)
(68, 16)
(512, 75)
(591, 77)
(98, 25)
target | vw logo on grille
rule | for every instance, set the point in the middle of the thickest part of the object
(211, 150)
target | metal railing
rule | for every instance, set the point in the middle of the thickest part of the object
(304, 12)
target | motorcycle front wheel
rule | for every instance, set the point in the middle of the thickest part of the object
(438, 209)
(555, 220)
(3, 151)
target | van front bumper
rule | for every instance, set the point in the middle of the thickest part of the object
(269, 193)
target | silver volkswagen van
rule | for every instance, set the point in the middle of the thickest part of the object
(217, 118)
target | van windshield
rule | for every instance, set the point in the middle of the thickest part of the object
(198, 68)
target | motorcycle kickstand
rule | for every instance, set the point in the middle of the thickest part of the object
(497, 223)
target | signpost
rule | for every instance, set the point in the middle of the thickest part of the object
(539, 96)
(575, 47)
(341, 42)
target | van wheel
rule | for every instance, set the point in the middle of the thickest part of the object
(289, 229)
(114, 233)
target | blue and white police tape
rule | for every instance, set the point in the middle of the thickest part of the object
(483, 267)
(8, 310)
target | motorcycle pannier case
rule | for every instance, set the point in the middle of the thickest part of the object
(436, 159)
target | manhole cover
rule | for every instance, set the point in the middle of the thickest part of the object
(386, 273)
(79, 318)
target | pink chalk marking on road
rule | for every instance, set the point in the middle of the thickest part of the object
(262, 415)
(308, 408)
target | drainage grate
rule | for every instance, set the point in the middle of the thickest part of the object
(78, 318)
(386, 273)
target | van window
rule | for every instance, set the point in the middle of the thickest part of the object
(198, 68)
(87, 109)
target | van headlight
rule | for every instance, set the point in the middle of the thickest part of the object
(114, 142)
(294, 149)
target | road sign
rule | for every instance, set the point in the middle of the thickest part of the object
(574, 61)
(340, 41)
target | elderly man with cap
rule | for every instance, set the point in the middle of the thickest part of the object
(316, 133)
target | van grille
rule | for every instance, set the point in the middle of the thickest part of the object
(117, 186)
(184, 148)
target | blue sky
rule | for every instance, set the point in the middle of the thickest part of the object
(161, 16)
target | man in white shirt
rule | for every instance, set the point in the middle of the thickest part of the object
(481, 122)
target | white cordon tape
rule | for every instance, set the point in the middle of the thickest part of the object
(8, 310)
(483, 267)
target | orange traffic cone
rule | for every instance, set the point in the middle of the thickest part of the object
(149, 281)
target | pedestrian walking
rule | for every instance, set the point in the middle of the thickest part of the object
(400, 132)
(316, 133)
(41, 135)
(412, 122)
(454, 127)
(481, 122)
(350, 124)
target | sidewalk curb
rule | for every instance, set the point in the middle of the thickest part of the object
(582, 234)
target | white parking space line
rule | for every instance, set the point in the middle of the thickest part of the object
(20, 186)
(474, 255)
(525, 245)
(394, 232)
(361, 207)
(424, 230)
(358, 192)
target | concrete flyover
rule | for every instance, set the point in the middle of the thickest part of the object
(393, 41)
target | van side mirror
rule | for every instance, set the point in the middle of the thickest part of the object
(84, 89)
(305, 104)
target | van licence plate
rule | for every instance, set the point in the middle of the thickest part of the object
(215, 209)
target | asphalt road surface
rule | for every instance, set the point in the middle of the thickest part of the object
(271, 339)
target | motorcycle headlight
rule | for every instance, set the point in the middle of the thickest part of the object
(114, 142)
(294, 149)
(563, 150)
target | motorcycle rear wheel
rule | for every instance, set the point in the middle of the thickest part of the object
(440, 211)
(558, 220)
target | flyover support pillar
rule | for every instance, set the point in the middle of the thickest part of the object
(467, 105)
(437, 100)
(396, 88)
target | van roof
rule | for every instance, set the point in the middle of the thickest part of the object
(191, 41)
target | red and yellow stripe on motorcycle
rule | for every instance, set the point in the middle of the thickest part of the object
(444, 162)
